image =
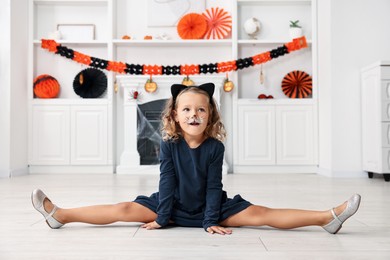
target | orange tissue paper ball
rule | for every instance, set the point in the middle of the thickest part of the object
(46, 86)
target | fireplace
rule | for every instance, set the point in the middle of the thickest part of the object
(148, 131)
(141, 123)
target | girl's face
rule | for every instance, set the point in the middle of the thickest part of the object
(192, 114)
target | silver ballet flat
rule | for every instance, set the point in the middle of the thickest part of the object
(352, 206)
(37, 199)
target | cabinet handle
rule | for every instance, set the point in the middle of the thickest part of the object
(388, 134)
(388, 90)
(388, 159)
(388, 111)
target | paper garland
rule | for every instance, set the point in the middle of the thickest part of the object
(138, 69)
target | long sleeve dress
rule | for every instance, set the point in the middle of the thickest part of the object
(190, 188)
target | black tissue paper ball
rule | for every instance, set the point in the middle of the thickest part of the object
(90, 83)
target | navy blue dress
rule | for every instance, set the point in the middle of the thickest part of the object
(190, 189)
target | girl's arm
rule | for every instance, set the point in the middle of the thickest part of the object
(167, 185)
(214, 189)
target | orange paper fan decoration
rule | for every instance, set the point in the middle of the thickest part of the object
(192, 26)
(219, 23)
(297, 84)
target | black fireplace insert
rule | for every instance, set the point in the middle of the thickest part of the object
(148, 131)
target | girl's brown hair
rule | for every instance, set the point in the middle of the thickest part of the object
(171, 130)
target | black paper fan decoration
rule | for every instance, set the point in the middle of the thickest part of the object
(90, 83)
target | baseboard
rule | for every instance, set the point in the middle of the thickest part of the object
(239, 169)
(19, 172)
(55, 169)
(14, 173)
(4, 174)
(341, 174)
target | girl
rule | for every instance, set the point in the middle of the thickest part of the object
(190, 188)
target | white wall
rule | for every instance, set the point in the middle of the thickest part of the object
(13, 98)
(18, 90)
(5, 58)
(359, 35)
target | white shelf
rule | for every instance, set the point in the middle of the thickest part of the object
(70, 101)
(71, 2)
(269, 41)
(190, 43)
(273, 2)
(64, 42)
(279, 101)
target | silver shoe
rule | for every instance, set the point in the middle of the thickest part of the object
(352, 206)
(37, 199)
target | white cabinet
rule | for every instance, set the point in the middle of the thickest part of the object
(67, 136)
(256, 137)
(89, 135)
(375, 80)
(276, 135)
(50, 135)
(295, 131)
(69, 133)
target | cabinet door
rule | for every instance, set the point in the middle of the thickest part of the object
(89, 135)
(294, 131)
(256, 139)
(50, 137)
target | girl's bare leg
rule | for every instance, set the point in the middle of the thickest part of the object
(103, 214)
(281, 218)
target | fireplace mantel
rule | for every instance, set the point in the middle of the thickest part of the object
(129, 162)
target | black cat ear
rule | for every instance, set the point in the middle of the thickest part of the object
(209, 88)
(176, 89)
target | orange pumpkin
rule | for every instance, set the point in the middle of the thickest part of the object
(187, 81)
(46, 86)
(148, 37)
(150, 86)
(192, 26)
(228, 85)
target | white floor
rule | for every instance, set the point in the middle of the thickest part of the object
(24, 234)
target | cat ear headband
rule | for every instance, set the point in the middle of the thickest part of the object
(208, 87)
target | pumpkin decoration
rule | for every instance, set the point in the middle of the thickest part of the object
(46, 86)
(219, 23)
(150, 85)
(148, 37)
(228, 85)
(297, 84)
(187, 81)
(192, 26)
(90, 83)
(126, 37)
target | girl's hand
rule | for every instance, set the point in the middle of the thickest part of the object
(219, 230)
(151, 225)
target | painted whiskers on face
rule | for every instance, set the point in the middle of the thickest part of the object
(194, 120)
